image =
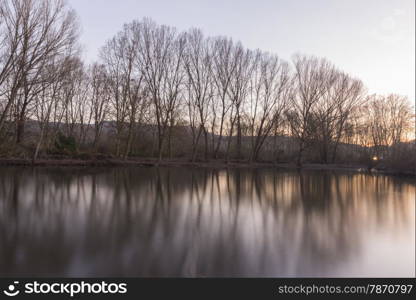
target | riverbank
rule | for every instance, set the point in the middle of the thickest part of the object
(109, 162)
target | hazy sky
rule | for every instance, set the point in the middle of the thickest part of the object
(373, 40)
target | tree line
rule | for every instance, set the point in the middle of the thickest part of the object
(157, 92)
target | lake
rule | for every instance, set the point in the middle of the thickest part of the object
(195, 222)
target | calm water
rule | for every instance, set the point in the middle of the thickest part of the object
(198, 222)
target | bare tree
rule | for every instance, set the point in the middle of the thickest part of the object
(9, 40)
(223, 68)
(388, 120)
(311, 79)
(342, 95)
(271, 88)
(160, 58)
(99, 99)
(238, 91)
(56, 72)
(120, 56)
(199, 87)
(74, 94)
(45, 29)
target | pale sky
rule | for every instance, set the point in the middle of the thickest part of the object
(373, 40)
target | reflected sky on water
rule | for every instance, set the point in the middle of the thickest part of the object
(200, 222)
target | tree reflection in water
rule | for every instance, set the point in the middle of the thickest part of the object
(201, 222)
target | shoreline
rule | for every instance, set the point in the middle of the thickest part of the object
(199, 164)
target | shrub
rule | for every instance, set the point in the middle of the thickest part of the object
(65, 144)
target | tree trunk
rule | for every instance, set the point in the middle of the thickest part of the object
(196, 143)
(20, 130)
(206, 144)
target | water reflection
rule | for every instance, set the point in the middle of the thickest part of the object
(198, 222)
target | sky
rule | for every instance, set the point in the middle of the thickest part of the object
(373, 40)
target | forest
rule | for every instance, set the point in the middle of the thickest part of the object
(157, 93)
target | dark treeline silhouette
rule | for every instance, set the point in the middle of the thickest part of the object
(156, 92)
